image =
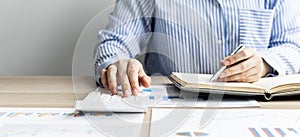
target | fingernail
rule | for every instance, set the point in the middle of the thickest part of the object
(115, 92)
(135, 91)
(226, 62)
(222, 75)
(126, 93)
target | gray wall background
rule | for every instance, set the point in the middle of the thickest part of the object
(38, 37)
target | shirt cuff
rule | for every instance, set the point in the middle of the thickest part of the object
(99, 67)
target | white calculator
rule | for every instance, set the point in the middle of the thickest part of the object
(101, 100)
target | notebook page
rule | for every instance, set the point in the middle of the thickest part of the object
(203, 79)
(271, 82)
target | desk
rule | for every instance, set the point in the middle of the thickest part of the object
(57, 91)
(36, 91)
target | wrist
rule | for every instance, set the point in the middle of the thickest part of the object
(266, 68)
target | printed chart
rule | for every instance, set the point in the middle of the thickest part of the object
(60, 122)
(274, 132)
(49, 114)
(226, 122)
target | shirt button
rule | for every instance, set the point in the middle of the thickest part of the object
(219, 42)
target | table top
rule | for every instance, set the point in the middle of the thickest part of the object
(58, 91)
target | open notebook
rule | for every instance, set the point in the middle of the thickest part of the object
(268, 87)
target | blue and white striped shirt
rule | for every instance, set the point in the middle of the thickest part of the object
(197, 34)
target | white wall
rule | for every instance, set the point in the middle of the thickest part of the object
(38, 37)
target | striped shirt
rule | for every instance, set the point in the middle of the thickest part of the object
(195, 35)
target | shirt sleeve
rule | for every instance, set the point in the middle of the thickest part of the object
(283, 52)
(123, 35)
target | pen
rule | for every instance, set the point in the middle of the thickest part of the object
(217, 74)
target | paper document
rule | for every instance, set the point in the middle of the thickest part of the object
(173, 97)
(60, 122)
(225, 122)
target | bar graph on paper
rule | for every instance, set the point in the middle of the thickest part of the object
(274, 132)
(58, 122)
(233, 123)
(255, 132)
(48, 130)
(50, 114)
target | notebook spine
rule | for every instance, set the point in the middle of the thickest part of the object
(268, 95)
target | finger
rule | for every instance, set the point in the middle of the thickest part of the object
(240, 67)
(103, 78)
(240, 77)
(144, 79)
(244, 54)
(111, 79)
(125, 85)
(133, 76)
(123, 78)
(253, 78)
(250, 79)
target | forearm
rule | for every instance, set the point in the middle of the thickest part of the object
(283, 52)
(128, 22)
(112, 49)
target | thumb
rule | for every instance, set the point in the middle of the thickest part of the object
(144, 79)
